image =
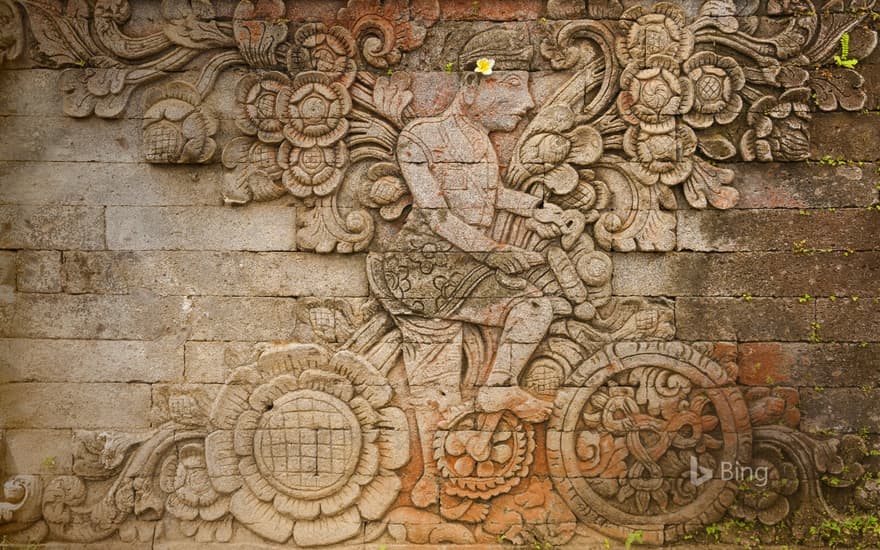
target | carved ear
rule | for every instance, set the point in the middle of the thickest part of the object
(470, 83)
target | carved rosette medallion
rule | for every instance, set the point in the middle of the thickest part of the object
(306, 445)
(621, 443)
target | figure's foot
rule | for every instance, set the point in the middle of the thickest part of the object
(514, 399)
(425, 492)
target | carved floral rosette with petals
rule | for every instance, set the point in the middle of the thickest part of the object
(307, 444)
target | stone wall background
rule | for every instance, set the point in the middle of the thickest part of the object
(119, 279)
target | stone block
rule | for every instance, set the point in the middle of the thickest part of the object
(49, 360)
(52, 227)
(60, 138)
(39, 452)
(243, 318)
(7, 277)
(108, 183)
(849, 318)
(39, 271)
(802, 185)
(850, 136)
(201, 228)
(215, 273)
(138, 316)
(735, 319)
(840, 410)
(740, 230)
(745, 274)
(827, 365)
(81, 406)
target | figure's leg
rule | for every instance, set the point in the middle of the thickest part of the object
(432, 359)
(524, 329)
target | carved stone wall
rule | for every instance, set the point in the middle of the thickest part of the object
(375, 274)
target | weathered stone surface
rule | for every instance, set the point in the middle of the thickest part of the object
(38, 271)
(41, 452)
(231, 318)
(746, 274)
(805, 230)
(735, 319)
(107, 183)
(850, 318)
(32, 360)
(59, 227)
(848, 136)
(520, 268)
(140, 316)
(827, 365)
(807, 185)
(203, 228)
(214, 273)
(82, 406)
(7, 276)
(840, 410)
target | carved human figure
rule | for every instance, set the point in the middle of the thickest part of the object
(444, 269)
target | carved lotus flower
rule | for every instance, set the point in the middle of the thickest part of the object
(202, 511)
(717, 79)
(306, 445)
(779, 127)
(654, 95)
(315, 48)
(659, 31)
(666, 157)
(313, 170)
(314, 110)
(177, 128)
(256, 98)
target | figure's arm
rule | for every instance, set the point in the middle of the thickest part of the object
(517, 202)
(441, 219)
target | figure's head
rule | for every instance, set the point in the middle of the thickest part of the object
(497, 101)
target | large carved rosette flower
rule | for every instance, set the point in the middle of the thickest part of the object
(767, 498)
(314, 110)
(329, 51)
(257, 102)
(202, 511)
(716, 79)
(312, 170)
(666, 157)
(653, 95)
(306, 444)
(659, 31)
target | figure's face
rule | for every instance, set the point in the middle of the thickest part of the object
(501, 99)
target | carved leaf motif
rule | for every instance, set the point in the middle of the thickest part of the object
(717, 147)
(707, 183)
(841, 87)
(63, 40)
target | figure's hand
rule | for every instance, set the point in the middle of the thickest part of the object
(547, 222)
(512, 259)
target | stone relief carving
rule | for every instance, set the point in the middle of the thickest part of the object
(541, 404)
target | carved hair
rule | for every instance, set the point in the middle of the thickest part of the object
(508, 47)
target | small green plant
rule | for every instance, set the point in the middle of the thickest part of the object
(448, 67)
(747, 297)
(843, 60)
(49, 463)
(805, 299)
(636, 537)
(814, 332)
(714, 531)
(818, 389)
